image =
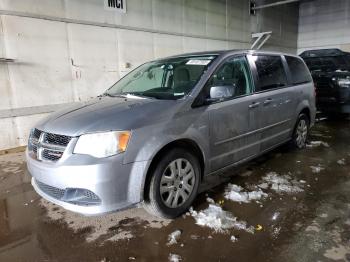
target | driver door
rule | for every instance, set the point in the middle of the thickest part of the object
(233, 119)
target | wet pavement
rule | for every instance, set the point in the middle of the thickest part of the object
(308, 224)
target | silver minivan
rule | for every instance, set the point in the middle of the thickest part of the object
(156, 134)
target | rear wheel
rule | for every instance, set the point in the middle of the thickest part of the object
(174, 184)
(301, 131)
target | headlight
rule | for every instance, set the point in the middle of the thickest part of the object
(344, 82)
(102, 144)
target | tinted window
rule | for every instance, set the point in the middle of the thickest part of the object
(234, 74)
(270, 71)
(327, 63)
(299, 72)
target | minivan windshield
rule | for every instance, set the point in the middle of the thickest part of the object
(168, 79)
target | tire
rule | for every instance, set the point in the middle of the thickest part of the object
(301, 132)
(171, 190)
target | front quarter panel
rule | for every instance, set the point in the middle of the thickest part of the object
(147, 141)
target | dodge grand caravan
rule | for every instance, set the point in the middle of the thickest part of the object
(154, 135)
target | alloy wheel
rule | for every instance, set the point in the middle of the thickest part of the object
(301, 133)
(177, 183)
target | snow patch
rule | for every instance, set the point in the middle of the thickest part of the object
(281, 183)
(276, 231)
(341, 162)
(316, 169)
(235, 193)
(233, 239)
(121, 235)
(174, 237)
(317, 144)
(219, 220)
(275, 216)
(210, 200)
(174, 258)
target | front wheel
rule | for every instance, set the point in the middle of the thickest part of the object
(174, 184)
(301, 131)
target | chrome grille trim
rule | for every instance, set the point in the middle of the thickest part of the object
(47, 146)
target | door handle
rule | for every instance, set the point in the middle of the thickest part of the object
(268, 101)
(254, 105)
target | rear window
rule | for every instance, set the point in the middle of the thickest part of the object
(270, 72)
(299, 72)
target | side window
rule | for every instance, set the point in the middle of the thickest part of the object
(232, 78)
(299, 72)
(270, 71)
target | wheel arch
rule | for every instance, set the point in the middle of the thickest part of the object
(184, 143)
(306, 111)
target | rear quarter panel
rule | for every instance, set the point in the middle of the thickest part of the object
(305, 96)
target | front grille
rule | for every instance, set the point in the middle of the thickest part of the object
(47, 146)
(57, 139)
(50, 190)
(36, 133)
(51, 155)
(34, 148)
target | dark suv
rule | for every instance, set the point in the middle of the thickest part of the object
(330, 69)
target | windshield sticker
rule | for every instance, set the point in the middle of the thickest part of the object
(198, 62)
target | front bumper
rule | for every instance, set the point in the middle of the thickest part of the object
(116, 185)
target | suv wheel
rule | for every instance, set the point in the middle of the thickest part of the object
(301, 131)
(174, 184)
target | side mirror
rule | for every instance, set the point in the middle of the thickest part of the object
(218, 93)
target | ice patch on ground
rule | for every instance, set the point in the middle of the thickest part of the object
(341, 162)
(174, 258)
(111, 227)
(281, 183)
(174, 237)
(317, 144)
(316, 169)
(235, 193)
(121, 235)
(219, 220)
(314, 134)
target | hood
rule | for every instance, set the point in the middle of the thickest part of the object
(106, 114)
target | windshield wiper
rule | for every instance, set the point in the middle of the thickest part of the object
(139, 94)
(110, 95)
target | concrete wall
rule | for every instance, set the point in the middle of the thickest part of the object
(324, 24)
(72, 50)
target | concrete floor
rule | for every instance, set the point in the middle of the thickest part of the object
(311, 225)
